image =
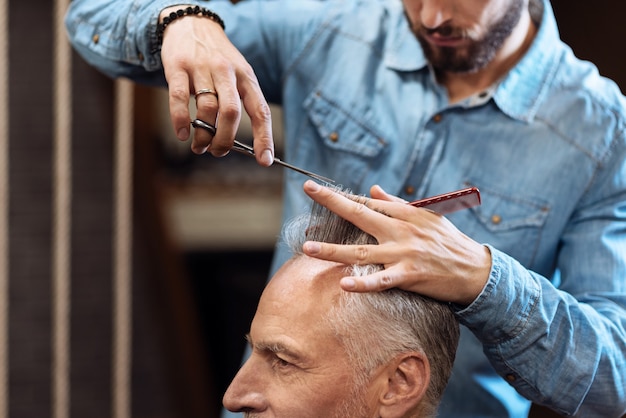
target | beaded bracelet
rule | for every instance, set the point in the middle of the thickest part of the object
(186, 12)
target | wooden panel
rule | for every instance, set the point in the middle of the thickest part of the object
(30, 209)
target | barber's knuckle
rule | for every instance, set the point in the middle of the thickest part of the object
(359, 210)
(262, 112)
(328, 250)
(361, 254)
(230, 111)
(221, 64)
(178, 93)
(207, 106)
(385, 282)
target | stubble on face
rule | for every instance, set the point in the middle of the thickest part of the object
(354, 406)
(478, 52)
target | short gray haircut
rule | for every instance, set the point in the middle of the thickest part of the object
(375, 327)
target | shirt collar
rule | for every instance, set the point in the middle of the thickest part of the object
(520, 92)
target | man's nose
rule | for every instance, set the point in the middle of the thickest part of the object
(244, 393)
(435, 13)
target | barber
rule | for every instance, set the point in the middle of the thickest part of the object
(422, 97)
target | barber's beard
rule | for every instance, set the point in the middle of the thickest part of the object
(479, 52)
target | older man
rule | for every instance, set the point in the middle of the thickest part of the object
(318, 351)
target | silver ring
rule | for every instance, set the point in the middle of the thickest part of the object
(206, 91)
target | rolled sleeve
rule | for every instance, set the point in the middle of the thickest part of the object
(120, 43)
(511, 294)
(527, 326)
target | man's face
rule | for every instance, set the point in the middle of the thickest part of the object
(462, 36)
(297, 368)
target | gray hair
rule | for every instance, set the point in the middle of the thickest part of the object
(375, 327)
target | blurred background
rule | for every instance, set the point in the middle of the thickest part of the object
(130, 267)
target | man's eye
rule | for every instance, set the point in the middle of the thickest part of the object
(279, 363)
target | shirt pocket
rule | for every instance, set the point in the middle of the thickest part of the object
(510, 222)
(350, 142)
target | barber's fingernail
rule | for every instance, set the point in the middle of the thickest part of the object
(182, 134)
(312, 186)
(312, 247)
(199, 150)
(348, 284)
(267, 157)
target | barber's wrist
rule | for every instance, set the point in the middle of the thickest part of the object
(173, 13)
(168, 10)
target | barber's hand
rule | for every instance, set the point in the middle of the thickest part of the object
(421, 250)
(197, 55)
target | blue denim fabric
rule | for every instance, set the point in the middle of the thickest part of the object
(546, 147)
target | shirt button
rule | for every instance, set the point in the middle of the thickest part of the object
(510, 378)
(496, 219)
(95, 38)
(334, 137)
(409, 190)
(140, 56)
(437, 118)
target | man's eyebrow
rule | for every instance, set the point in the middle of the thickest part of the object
(272, 347)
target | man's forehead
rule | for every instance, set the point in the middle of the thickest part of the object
(301, 292)
(303, 274)
(291, 310)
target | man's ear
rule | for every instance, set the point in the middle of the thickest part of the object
(408, 377)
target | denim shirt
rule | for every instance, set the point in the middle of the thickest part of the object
(546, 147)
